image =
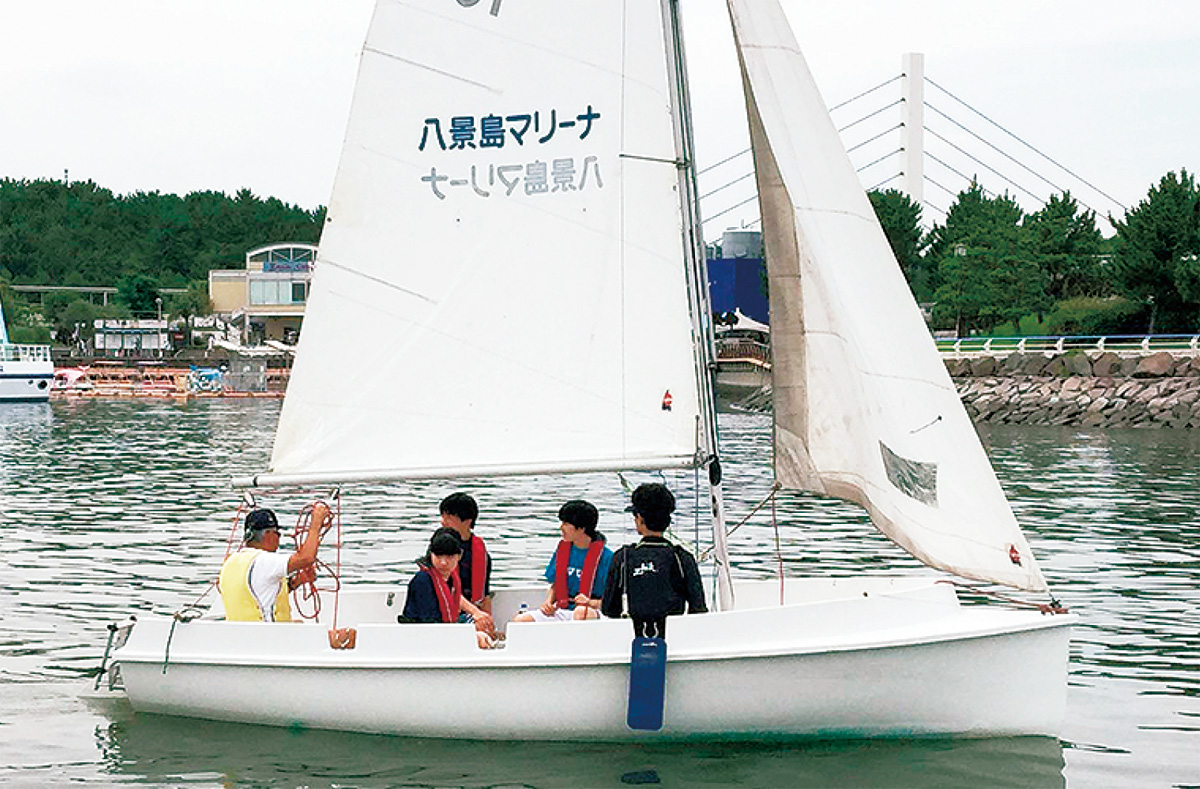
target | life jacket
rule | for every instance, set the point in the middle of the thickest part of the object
(590, 563)
(479, 560)
(651, 590)
(449, 595)
(240, 603)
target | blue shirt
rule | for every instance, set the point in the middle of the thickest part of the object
(575, 571)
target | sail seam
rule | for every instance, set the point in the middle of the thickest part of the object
(377, 280)
(424, 67)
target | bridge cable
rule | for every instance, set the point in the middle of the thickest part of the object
(986, 166)
(865, 93)
(1015, 161)
(880, 159)
(884, 181)
(960, 174)
(1027, 145)
(731, 208)
(723, 186)
(723, 161)
(873, 139)
(870, 115)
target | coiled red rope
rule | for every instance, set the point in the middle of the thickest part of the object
(306, 595)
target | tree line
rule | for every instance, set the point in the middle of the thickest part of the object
(990, 265)
(59, 233)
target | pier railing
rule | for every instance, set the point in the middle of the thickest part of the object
(1120, 344)
(743, 350)
(24, 353)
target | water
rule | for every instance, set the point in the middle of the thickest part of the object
(113, 508)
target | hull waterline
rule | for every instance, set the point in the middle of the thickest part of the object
(900, 663)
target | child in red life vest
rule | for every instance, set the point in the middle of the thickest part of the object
(435, 592)
(458, 512)
(578, 569)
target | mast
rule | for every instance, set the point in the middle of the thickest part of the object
(698, 300)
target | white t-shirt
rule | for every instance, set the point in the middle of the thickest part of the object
(266, 572)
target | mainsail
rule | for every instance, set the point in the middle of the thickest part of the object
(502, 283)
(864, 407)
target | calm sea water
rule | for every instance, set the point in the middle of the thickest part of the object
(114, 508)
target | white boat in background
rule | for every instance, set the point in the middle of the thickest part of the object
(743, 358)
(543, 155)
(26, 371)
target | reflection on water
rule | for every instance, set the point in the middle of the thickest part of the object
(166, 750)
(113, 508)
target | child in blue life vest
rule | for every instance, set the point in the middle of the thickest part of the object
(653, 578)
(578, 569)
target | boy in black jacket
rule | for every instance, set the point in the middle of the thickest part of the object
(653, 578)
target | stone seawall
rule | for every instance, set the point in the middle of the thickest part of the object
(1075, 388)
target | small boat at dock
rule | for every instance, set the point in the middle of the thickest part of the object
(26, 371)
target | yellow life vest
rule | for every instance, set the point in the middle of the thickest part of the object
(240, 603)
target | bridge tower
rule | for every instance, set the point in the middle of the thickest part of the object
(912, 131)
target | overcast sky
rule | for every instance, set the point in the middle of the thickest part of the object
(184, 95)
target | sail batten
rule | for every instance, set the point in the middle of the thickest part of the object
(864, 407)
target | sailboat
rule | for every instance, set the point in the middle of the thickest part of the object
(515, 209)
(26, 371)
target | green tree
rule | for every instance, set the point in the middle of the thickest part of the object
(56, 233)
(75, 323)
(1155, 249)
(987, 275)
(54, 305)
(8, 305)
(1066, 244)
(900, 217)
(191, 304)
(139, 293)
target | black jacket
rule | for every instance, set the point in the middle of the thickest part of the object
(656, 578)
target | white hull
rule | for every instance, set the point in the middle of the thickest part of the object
(846, 658)
(25, 378)
(736, 380)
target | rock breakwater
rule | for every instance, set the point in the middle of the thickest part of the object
(1075, 388)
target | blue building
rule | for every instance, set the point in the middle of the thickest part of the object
(737, 276)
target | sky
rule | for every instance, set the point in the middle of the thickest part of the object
(186, 95)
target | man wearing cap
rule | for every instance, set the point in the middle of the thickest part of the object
(653, 578)
(254, 581)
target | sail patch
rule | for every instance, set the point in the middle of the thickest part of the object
(913, 478)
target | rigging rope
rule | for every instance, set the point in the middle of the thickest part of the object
(770, 497)
(778, 549)
(1053, 607)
